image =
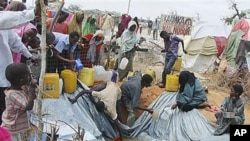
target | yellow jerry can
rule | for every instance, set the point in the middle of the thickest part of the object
(51, 85)
(177, 64)
(172, 83)
(69, 80)
(86, 76)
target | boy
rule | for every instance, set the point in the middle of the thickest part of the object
(19, 99)
(232, 103)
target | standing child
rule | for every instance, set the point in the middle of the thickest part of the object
(19, 99)
(234, 104)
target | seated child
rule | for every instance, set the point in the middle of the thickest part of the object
(232, 103)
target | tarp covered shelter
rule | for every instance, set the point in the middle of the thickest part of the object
(207, 42)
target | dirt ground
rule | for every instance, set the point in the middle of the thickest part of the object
(215, 97)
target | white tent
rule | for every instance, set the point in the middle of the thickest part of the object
(207, 41)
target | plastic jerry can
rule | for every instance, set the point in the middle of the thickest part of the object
(69, 80)
(86, 76)
(177, 64)
(123, 63)
(172, 83)
(51, 85)
(150, 72)
(111, 63)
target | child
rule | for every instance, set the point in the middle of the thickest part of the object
(232, 103)
(19, 99)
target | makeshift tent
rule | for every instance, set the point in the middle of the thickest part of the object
(207, 42)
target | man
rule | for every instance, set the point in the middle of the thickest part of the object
(155, 27)
(171, 43)
(63, 52)
(107, 95)
(131, 93)
(9, 39)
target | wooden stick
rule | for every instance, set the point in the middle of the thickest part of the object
(56, 17)
(43, 66)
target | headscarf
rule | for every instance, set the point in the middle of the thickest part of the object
(186, 77)
(89, 27)
(128, 38)
(20, 32)
(16, 6)
(91, 55)
(73, 25)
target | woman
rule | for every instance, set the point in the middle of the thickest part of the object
(75, 24)
(95, 44)
(191, 94)
(90, 26)
(128, 41)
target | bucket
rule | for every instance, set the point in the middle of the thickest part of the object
(150, 72)
(69, 80)
(172, 83)
(51, 85)
(177, 64)
(86, 76)
(124, 63)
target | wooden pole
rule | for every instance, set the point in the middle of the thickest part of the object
(57, 15)
(128, 6)
(42, 73)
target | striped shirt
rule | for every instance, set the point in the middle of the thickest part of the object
(15, 117)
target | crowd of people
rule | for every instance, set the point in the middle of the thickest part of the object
(68, 41)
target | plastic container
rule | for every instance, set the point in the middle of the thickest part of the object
(150, 72)
(228, 114)
(51, 85)
(177, 64)
(86, 76)
(172, 83)
(124, 63)
(69, 80)
(79, 64)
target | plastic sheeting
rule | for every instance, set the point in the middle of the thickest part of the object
(171, 125)
(204, 29)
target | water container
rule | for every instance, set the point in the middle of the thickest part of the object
(124, 63)
(51, 85)
(79, 64)
(86, 76)
(177, 64)
(69, 80)
(150, 72)
(172, 83)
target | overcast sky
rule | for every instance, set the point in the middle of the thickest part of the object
(208, 10)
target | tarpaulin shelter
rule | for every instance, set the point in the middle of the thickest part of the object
(207, 42)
